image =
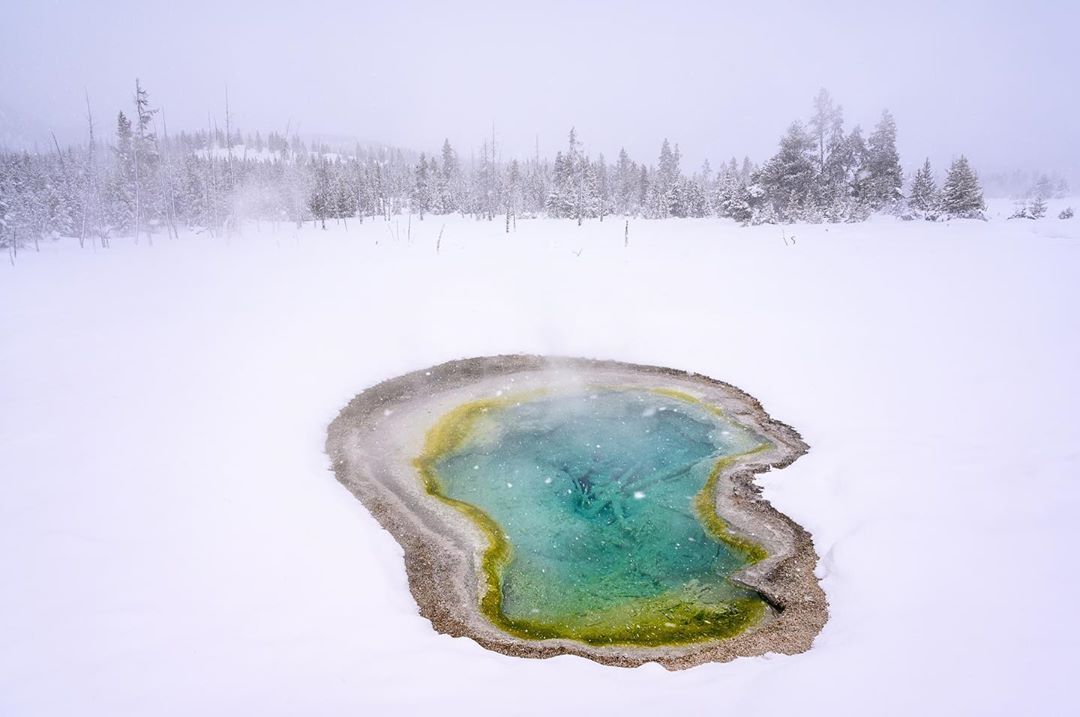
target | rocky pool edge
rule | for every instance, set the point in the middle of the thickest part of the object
(442, 554)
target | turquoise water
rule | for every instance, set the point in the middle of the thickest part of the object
(595, 494)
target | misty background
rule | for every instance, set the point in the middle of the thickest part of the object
(993, 80)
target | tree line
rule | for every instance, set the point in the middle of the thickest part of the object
(140, 181)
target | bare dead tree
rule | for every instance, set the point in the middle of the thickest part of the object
(88, 195)
(63, 169)
(58, 152)
(211, 177)
(494, 178)
(137, 142)
(166, 191)
(228, 131)
(228, 160)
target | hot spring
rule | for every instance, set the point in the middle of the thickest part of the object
(551, 506)
(601, 504)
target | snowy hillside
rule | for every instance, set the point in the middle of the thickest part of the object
(174, 542)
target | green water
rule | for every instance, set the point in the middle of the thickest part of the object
(598, 495)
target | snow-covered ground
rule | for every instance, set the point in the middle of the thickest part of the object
(173, 542)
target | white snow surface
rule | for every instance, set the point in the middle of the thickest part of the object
(172, 541)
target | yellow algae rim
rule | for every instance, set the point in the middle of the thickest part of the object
(672, 618)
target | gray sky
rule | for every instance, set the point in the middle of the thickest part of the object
(995, 80)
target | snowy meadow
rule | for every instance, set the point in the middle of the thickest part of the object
(174, 542)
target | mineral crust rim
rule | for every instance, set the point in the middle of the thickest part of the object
(373, 441)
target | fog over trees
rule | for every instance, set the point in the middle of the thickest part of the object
(133, 178)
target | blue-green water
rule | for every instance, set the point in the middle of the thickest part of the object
(595, 494)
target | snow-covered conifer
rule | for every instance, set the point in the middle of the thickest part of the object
(884, 178)
(422, 192)
(787, 178)
(962, 194)
(923, 196)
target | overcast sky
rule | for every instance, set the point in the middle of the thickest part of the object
(995, 80)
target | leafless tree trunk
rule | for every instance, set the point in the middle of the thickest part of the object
(211, 209)
(228, 161)
(137, 142)
(494, 178)
(228, 132)
(63, 168)
(166, 194)
(87, 194)
(58, 152)
(580, 209)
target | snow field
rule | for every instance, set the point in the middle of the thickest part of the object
(172, 539)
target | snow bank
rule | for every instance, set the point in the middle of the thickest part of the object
(174, 542)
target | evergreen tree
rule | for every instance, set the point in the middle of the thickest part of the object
(853, 158)
(449, 190)
(422, 193)
(923, 196)
(536, 186)
(145, 160)
(344, 194)
(826, 126)
(320, 199)
(695, 197)
(485, 187)
(7, 199)
(727, 182)
(787, 179)
(603, 188)
(642, 188)
(60, 198)
(666, 200)
(560, 202)
(962, 194)
(625, 190)
(568, 182)
(734, 200)
(512, 194)
(832, 185)
(883, 174)
(121, 209)
(587, 204)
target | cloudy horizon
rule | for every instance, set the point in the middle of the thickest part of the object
(718, 80)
